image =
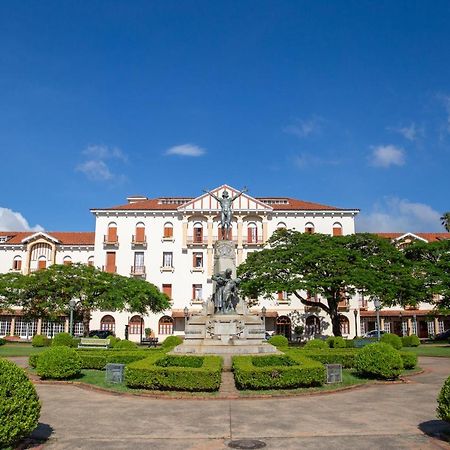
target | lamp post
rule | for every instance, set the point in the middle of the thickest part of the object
(263, 315)
(355, 312)
(186, 317)
(377, 304)
(416, 331)
(72, 304)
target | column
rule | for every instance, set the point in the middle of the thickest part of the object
(265, 230)
(210, 231)
(240, 255)
(185, 230)
(436, 326)
(381, 323)
(13, 326)
(209, 265)
(410, 326)
(66, 325)
(39, 326)
(239, 232)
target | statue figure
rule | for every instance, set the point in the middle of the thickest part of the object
(221, 280)
(230, 294)
(227, 213)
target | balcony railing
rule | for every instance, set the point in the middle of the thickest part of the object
(217, 238)
(109, 269)
(252, 241)
(138, 271)
(197, 240)
(110, 242)
(139, 242)
(344, 306)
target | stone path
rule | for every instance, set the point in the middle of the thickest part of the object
(396, 416)
(227, 386)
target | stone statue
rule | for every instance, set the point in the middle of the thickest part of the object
(221, 280)
(226, 216)
(230, 294)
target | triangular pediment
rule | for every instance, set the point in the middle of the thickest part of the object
(40, 235)
(409, 237)
(207, 202)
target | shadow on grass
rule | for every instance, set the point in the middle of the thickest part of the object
(438, 429)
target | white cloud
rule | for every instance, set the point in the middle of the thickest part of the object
(307, 160)
(95, 170)
(387, 155)
(102, 152)
(186, 150)
(399, 215)
(411, 132)
(304, 128)
(14, 221)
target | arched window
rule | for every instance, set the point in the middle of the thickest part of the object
(139, 237)
(337, 229)
(90, 261)
(108, 323)
(136, 325)
(198, 232)
(168, 230)
(42, 262)
(17, 263)
(309, 228)
(344, 324)
(252, 233)
(111, 237)
(312, 326)
(165, 325)
(67, 260)
(281, 226)
(283, 326)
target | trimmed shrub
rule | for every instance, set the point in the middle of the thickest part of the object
(273, 360)
(250, 374)
(443, 409)
(344, 356)
(410, 341)
(58, 363)
(278, 341)
(180, 361)
(2, 341)
(148, 374)
(19, 404)
(125, 345)
(409, 360)
(32, 360)
(349, 343)
(316, 343)
(392, 339)
(39, 340)
(171, 342)
(379, 361)
(97, 359)
(63, 339)
(336, 342)
(113, 340)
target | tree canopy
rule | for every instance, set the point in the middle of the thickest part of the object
(445, 221)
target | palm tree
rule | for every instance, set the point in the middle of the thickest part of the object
(445, 220)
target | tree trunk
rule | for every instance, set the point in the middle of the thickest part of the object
(86, 320)
(334, 316)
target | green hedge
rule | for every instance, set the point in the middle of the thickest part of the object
(316, 343)
(278, 341)
(148, 375)
(59, 363)
(124, 345)
(336, 342)
(304, 373)
(180, 361)
(392, 339)
(171, 342)
(443, 409)
(380, 361)
(273, 360)
(2, 341)
(409, 360)
(410, 341)
(344, 356)
(39, 340)
(63, 339)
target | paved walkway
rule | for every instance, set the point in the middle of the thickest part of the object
(381, 416)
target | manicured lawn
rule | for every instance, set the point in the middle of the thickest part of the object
(19, 349)
(430, 350)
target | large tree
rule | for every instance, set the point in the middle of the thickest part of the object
(335, 268)
(445, 221)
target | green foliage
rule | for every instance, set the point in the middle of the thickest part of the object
(278, 341)
(392, 339)
(344, 356)
(63, 339)
(97, 359)
(443, 409)
(19, 404)
(39, 340)
(336, 342)
(2, 341)
(32, 360)
(380, 361)
(273, 360)
(171, 342)
(125, 345)
(410, 341)
(148, 375)
(409, 360)
(316, 343)
(304, 372)
(349, 343)
(58, 363)
(180, 361)
(113, 340)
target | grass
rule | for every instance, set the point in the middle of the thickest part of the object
(441, 350)
(19, 349)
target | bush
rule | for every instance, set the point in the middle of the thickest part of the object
(344, 356)
(19, 404)
(97, 359)
(251, 374)
(2, 341)
(410, 341)
(409, 360)
(112, 341)
(380, 361)
(58, 363)
(273, 360)
(278, 341)
(148, 374)
(32, 360)
(180, 361)
(125, 345)
(349, 343)
(63, 339)
(443, 409)
(171, 342)
(336, 342)
(316, 343)
(39, 340)
(392, 339)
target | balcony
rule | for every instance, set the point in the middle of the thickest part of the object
(138, 271)
(109, 242)
(217, 238)
(138, 243)
(363, 305)
(197, 301)
(109, 269)
(193, 241)
(167, 269)
(344, 306)
(257, 241)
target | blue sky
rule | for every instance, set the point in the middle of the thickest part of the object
(342, 103)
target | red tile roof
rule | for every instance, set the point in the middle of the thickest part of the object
(65, 237)
(429, 237)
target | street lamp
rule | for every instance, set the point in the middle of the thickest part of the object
(355, 312)
(72, 304)
(186, 317)
(263, 315)
(377, 304)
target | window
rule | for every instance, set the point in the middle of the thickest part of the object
(67, 261)
(167, 259)
(139, 238)
(90, 261)
(49, 328)
(17, 263)
(168, 230)
(167, 289)
(139, 266)
(136, 325)
(312, 326)
(282, 296)
(25, 329)
(309, 228)
(337, 229)
(165, 325)
(311, 297)
(5, 326)
(42, 263)
(281, 226)
(344, 324)
(112, 233)
(78, 329)
(197, 260)
(197, 292)
(108, 323)
(198, 233)
(110, 262)
(283, 326)
(252, 233)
